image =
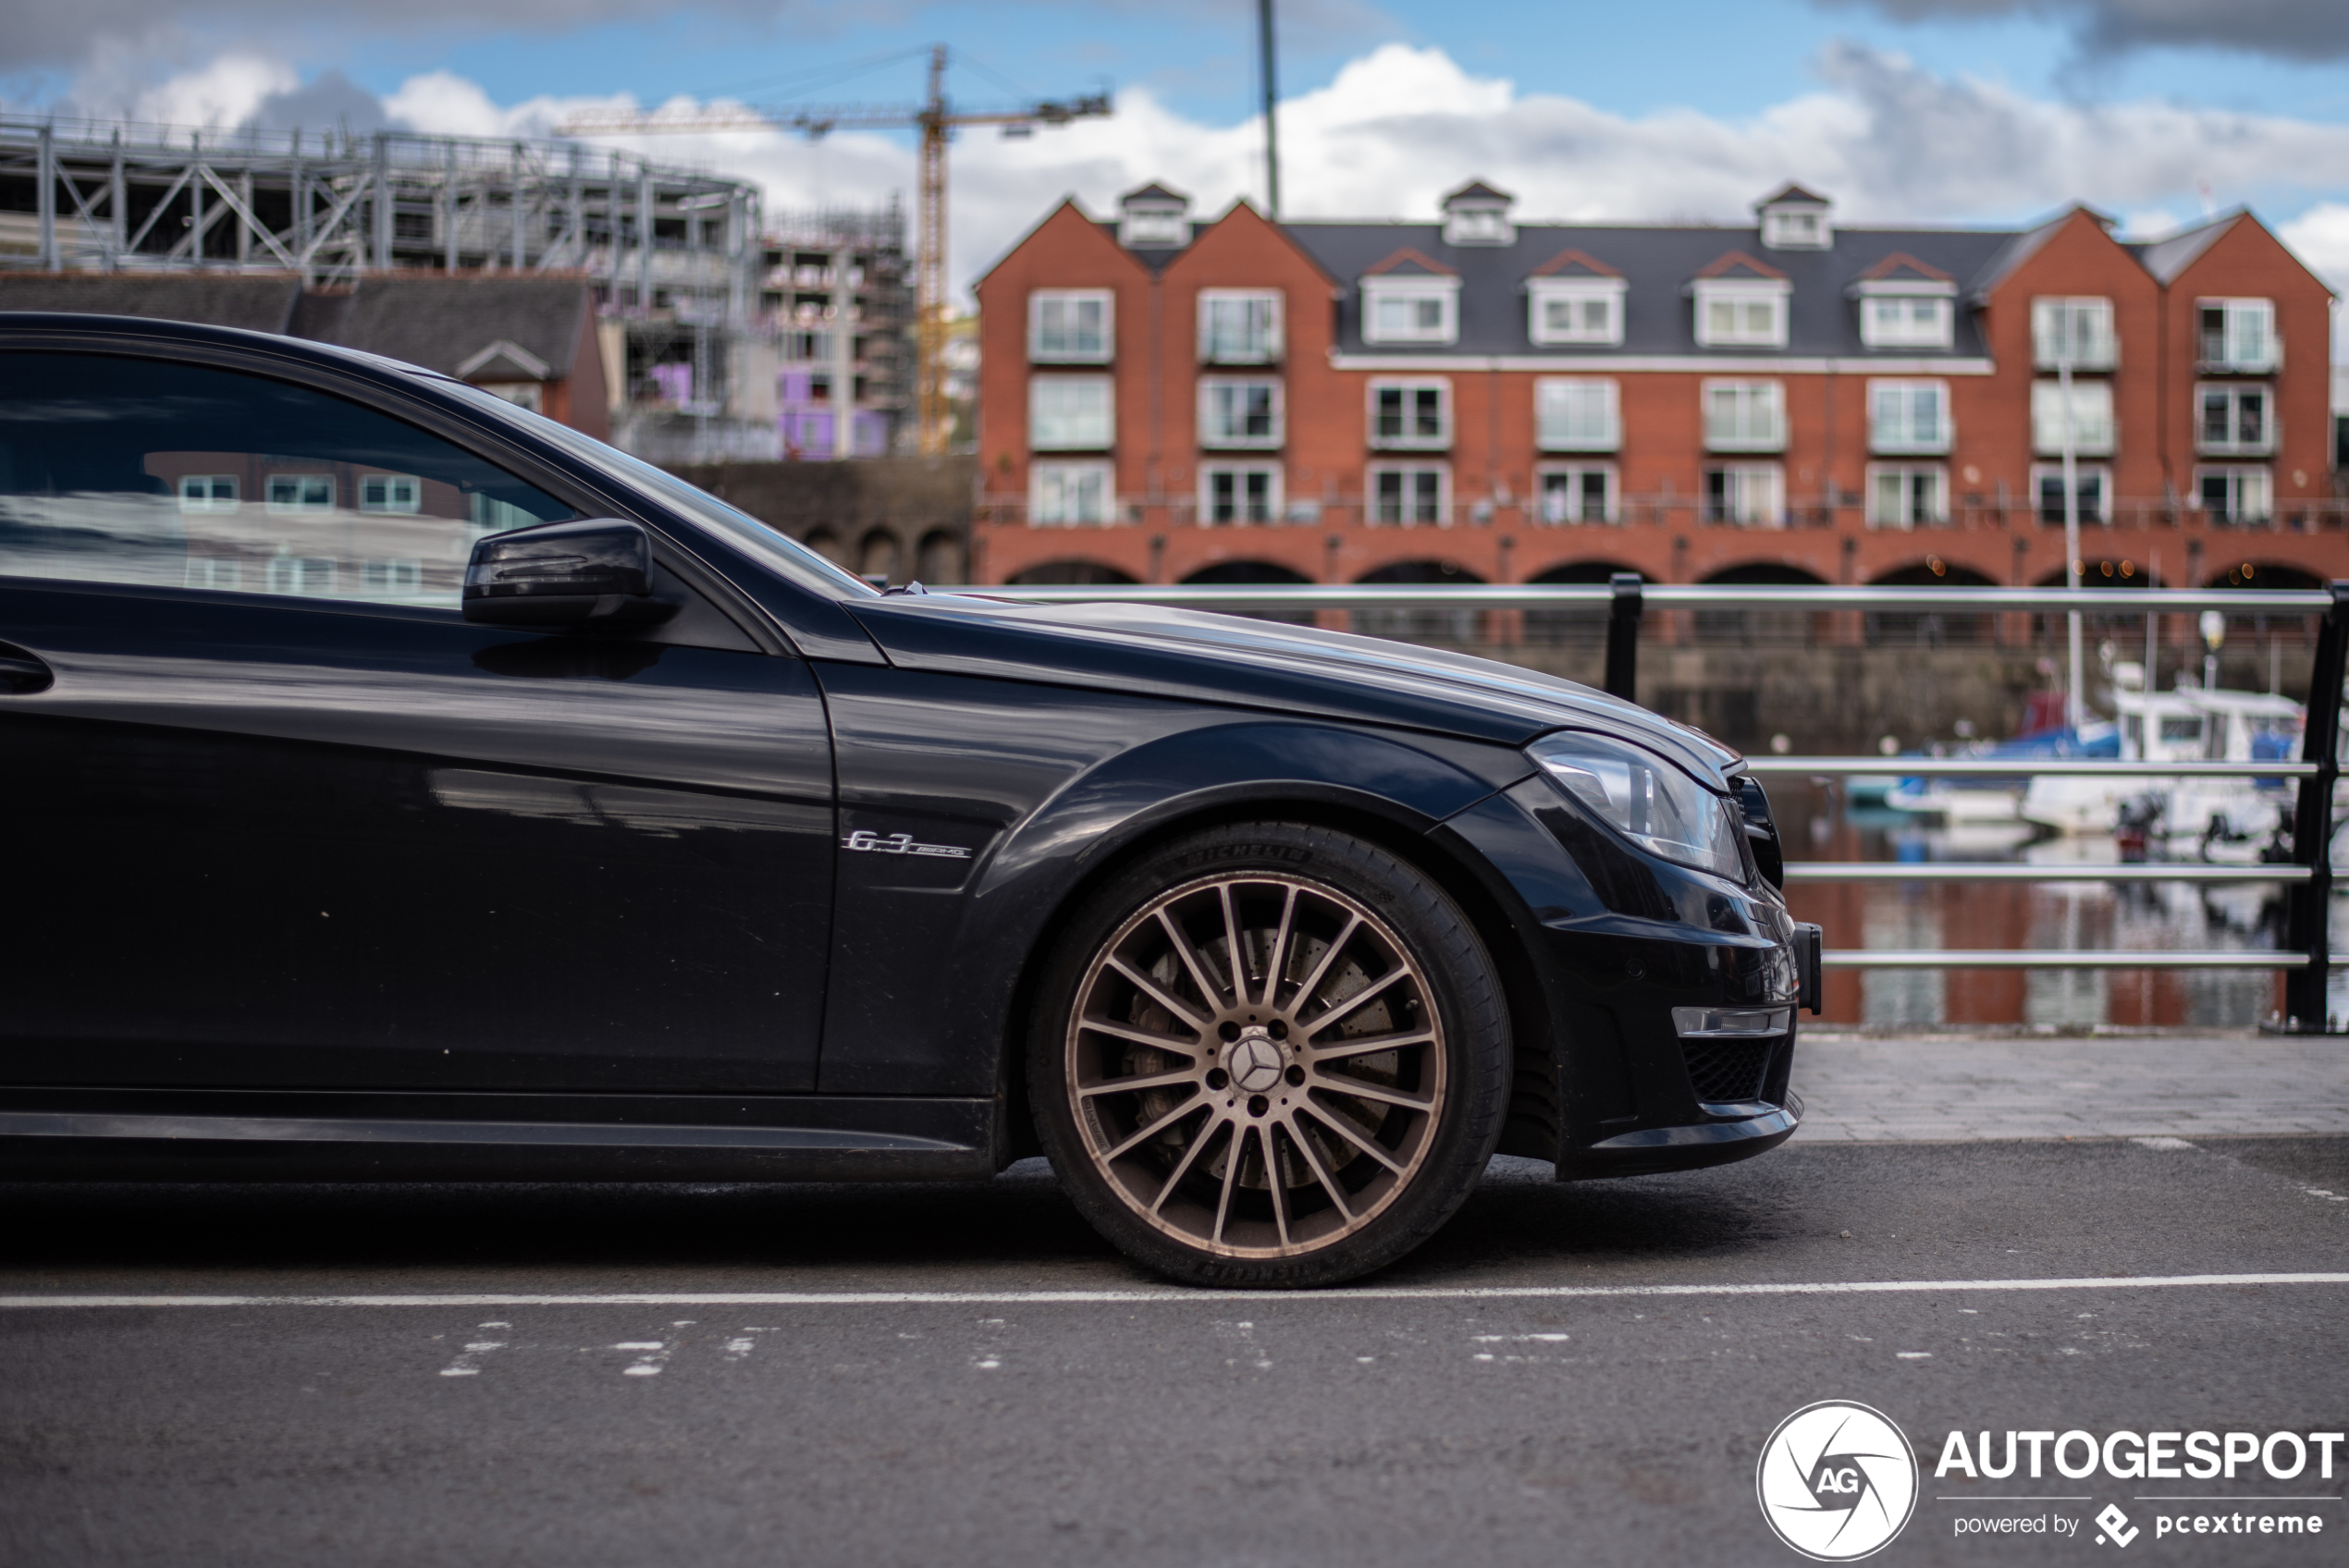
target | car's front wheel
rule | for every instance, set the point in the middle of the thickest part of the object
(1270, 1054)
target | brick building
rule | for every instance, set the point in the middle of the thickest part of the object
(1480, 399)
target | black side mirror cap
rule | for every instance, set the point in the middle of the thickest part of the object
(590, 574)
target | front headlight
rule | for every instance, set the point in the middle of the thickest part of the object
(1645, 798)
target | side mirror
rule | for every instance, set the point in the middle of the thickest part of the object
(591, 574)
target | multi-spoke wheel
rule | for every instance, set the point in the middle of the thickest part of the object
(1272, 1056)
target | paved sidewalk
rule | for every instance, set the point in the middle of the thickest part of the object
(1935, 1087)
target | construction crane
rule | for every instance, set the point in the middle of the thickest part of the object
(937, 121)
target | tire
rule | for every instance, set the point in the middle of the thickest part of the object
(1149, 1064)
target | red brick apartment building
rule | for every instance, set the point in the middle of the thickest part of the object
(1165, 401)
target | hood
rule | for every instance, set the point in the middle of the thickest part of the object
(1236, 661)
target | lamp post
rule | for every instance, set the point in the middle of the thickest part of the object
(2075, 707)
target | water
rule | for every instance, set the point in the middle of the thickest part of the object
(1817, 825)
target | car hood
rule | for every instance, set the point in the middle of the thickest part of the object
(1191, 656)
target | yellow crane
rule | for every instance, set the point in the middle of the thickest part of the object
(937, 121)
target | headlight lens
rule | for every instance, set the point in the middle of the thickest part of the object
(1645, 798)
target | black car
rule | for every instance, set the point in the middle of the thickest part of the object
(401, 785)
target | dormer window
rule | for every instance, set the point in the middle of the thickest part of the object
(1409, 299)
(1575, 310)
(1796, 219)
(1740, 314)
(1906, 321)
(1478, 215)
(1154, 217)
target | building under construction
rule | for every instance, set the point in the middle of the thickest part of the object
(707, 324)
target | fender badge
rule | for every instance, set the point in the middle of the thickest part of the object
(899, 844)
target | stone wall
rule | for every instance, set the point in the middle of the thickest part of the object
(905, 517)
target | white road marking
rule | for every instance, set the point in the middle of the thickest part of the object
(1168, 1295)
(468, 1363)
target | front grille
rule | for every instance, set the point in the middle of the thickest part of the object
(1728, 1070)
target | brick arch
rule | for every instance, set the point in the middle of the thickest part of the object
(1580, 571)
(1421, 625)
(2279, 575)
(827, 543)
(1764, 573)
(1248, 571)
(1071, 569)
(941, 558)
(1931, 629)
(881, 554)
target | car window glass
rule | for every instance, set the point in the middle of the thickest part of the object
(120, 470)
(787, 555)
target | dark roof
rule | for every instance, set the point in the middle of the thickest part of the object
(1153, 192)
(2167, 258)
(443, 323)
(256, 303)
(1658, 265)
(1477, 190)
(1791, 193)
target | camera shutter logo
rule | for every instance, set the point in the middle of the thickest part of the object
(1838, 1481)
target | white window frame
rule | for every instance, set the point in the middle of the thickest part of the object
(1042, 440)
(208, 491)
(1553, 429)
(391, 578)
(2101, 511)
(1041, 353)
(1771, 395)
(1797, 226)
(219, 574)
(388, 498)
(2259, 475)
(1371, 477)
(1214, 352)
(1445, 291)
(1212, 439)
(1049, 497)
(1574, 474)
(1937, 513)
(2089, 438)
(1479, 223)
(1762, 482)
(2233, 445)
(1576, 294)
(1905, 331)
(2241, 351)
(300, 576)
(1740, 294)
(1275, 498)
(301, 503)
(1154, 224)
(2087, 317)
(1900, 436)
(1409, 442)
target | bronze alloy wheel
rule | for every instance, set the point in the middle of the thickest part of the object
(1255, 1064)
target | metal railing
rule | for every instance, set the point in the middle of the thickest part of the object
(2304, 959)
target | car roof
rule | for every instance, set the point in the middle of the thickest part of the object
(150, 329)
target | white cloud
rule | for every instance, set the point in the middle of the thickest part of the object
(217, 96)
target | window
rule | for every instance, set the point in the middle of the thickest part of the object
(1906, 321)
(2234, 494)
(1407, 414)
(1239, 413)
(1069, 414)
(2239, 335)
(1741, 314)
(1239, 492)
(1576, 416)
(2090, 417)
(391, 579)
(1410, 493)
(1745, 416)
(1907, 498)
(2233, 419)
(2079, 328)
(1476, 223)
(1908, 416)
(390, 493)
(1410, 310)
(143, 484)
(2093, 484)
(1582, 493)
(1160, 223)
(301, 492)
(1748, 497)
(1575, 310)
(1238, 328)
(1066, 495)
(1795, 229)
(207, 492)
(1069, 326)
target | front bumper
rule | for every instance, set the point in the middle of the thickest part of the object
(1618, 942)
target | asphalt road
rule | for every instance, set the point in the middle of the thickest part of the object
(949, 1415)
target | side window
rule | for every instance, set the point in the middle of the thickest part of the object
(184, 476)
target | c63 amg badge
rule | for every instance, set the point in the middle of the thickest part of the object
(899, 844)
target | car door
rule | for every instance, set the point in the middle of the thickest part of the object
(282, 818)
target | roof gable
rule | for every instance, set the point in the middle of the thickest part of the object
(1237, 219)
(1793, 193)
(1572, 262)
(1153, 192)
(1737, 264)
(443, 323)
(1901, 267)
(503, 360)
(1407, 263)
(2167, 258)
(1476, 190)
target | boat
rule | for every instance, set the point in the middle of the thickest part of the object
(1979, 800)
(2220, 819)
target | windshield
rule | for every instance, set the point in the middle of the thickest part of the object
(788, 557)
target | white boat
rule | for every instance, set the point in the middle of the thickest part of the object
(2223, 818)
(1999, 799)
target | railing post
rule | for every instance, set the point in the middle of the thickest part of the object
(2308, 926)
(1623, 637)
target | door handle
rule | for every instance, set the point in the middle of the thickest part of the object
(21, 674)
